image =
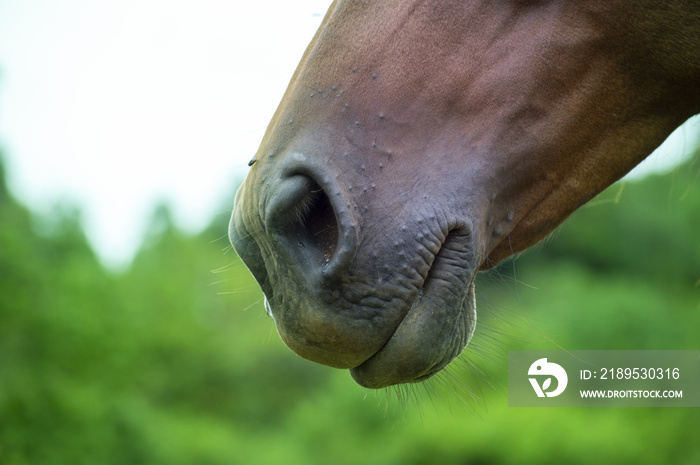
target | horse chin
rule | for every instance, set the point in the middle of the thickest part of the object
(436, 329)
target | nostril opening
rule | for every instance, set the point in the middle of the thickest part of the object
(318, 223)
(310, 227)
(304, 221)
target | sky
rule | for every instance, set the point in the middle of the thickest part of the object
(118, 105)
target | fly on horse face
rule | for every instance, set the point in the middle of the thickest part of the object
(422, 141)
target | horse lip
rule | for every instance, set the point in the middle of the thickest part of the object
(391, 363)
(437, 314)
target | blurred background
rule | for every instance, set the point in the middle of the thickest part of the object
(131, 333)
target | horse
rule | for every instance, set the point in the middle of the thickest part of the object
(422, 141)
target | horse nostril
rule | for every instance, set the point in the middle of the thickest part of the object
(317, 220)
(302, 220)
(313, 223)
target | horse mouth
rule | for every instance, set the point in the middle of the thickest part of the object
(435, 329)
(321, 292)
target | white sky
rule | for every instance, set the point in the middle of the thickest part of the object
(115, 105)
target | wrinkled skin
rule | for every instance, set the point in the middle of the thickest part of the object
(422, 141)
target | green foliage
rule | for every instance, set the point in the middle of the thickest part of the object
(175, 362)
